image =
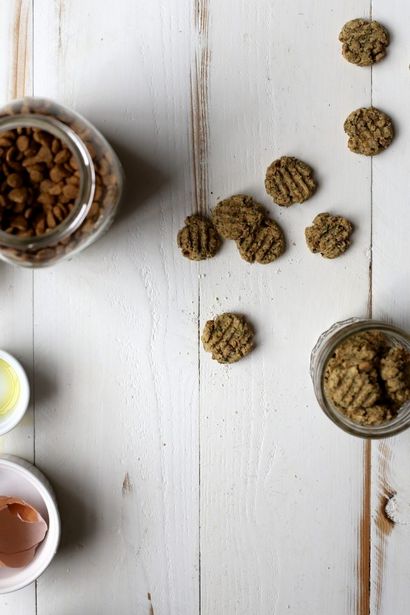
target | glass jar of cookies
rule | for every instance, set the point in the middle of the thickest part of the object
(360, 370)
(61, 183)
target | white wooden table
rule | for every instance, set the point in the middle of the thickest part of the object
(187, 487)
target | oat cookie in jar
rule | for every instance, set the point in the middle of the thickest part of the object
(360, 370)
(60, 183)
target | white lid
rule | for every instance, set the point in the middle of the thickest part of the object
(15, 414)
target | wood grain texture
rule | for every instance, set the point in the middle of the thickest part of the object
(16, 315)
(391, 300)
(282, 489)
(224, 490)
(116, 328)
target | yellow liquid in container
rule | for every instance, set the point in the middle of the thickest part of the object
(9, 387)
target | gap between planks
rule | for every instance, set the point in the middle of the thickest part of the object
(377, 539)
(199, 79)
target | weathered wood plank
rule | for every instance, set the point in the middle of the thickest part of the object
(16, 316)
(116, 328)
(281, 488)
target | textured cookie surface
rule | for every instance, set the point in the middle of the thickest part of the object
(363, 349)
(395, 371)
(329, 235)
(228, 337)
(370, 131)
(289, 180)
(375, 415)
(262, 244)
(234, 216)
(198, 239)
(351, 387)
(353, 380)
(364, 42)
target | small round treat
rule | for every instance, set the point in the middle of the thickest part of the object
(351, 387)
(364, 42)
(329, 235)
(289, 180)
(370, 131)
(395, 371)
(362, 349)
(262, 244)
(233, 216)
(198, 239)
(229, 338)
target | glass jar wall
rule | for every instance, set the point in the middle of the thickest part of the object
(323, 352)
(61, 183)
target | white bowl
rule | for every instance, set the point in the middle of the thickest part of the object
(21, 479)
(14, 416)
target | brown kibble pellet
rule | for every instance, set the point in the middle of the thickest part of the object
(18, 195)
(94, 209)
(12, 158)
(14, 180)
(46, 198)
(58, 173)
(59, 212)
(104, 167)
(45, 155)
(70, 191)
(23, 143)
(19, 222)
(44, 138)
(56, 146)
(40, 226)
(73, 163)
(51, 221)
(36, 176)
(19, 208)
(56, 189)
(5, 141)
(62, 156)
(46, 185)
(73, 180)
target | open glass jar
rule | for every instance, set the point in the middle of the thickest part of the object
(61, 183)
(324, 350)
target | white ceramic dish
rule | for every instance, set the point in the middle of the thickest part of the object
(21, 479)
(14, 416)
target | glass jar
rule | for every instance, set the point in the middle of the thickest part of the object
(323, 351)
(96, 173)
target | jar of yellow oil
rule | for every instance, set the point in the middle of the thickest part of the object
(14, 392)
(9, 387)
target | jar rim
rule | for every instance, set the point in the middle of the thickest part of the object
(342, 331)
(85, 196)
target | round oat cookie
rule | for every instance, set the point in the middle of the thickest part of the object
(198, 239)
(329, 235)
(395, 372)
(229, 337)
(350, 387)
(262, 244)
(289, 180)
(233, 216)
(370, 131)
(364, 42)
(361, 349)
